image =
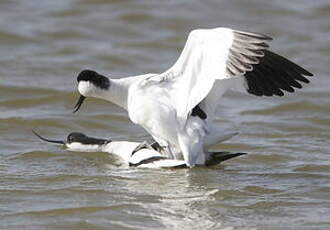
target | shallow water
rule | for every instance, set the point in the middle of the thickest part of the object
(283, 183)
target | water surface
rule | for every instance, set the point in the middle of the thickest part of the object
(283, 183)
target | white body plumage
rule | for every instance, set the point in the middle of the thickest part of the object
(177, 107)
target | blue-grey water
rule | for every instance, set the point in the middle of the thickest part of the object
(284, 181)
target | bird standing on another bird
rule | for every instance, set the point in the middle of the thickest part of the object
(177, 107)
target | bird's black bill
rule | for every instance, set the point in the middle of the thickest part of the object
(79, 103)
(48, 140)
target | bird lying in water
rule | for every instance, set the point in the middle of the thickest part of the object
(177, 107)
(126, 151)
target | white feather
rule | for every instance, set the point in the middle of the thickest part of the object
(190, 79)
(212, 61)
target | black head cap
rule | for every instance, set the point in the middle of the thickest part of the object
(97, 79)
(82, 138)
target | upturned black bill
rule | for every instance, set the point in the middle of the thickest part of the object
(79, 103)
(48, 140)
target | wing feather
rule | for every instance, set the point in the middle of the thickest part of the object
(277, 71)
(209, 55)
(220, 54)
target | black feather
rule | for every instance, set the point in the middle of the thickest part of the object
(273, 74)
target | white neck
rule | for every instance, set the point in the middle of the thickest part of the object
(118, 90)
(116, 93)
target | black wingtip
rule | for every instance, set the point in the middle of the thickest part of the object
(307, 73)
(47, 140)
(275, 74)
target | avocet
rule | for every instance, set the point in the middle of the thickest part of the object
(177, 107)
(128, 153)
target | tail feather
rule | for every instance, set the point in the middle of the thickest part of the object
(218, 157)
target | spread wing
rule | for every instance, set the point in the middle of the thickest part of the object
(224, 54)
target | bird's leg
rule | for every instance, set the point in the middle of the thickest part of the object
(168, 151)
(142, 145)
(145, 145)
(163, 149)
(156, 146)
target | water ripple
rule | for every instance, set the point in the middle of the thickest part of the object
(283, 181)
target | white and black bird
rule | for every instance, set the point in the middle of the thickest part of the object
(128, 153)
(177, 107)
